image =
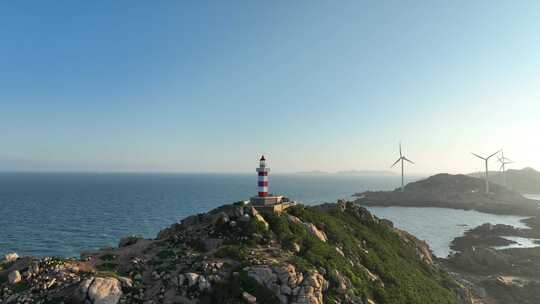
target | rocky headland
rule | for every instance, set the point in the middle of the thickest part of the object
(495, 275)
(331, 253)
(526, 180)
(453, 191)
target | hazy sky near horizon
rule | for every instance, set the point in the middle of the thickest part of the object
(316, 85)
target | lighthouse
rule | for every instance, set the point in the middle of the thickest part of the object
(263, 200)
(262, 181)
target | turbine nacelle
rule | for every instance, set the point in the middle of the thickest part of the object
(486, 160)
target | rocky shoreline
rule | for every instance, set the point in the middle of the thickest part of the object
(331, 253)
(495, 276)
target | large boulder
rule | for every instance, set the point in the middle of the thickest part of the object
(249, 298)
(192, 278)
(129, 240)
(10, 257)
(255, 214)
(309, 226)
(101, 290)
(288, 285)
(316, 232)
(14, 277)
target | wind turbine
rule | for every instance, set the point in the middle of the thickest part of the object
(402, 159)
(504, 161)
(486, 159)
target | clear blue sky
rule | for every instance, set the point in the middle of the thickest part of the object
(316, 85)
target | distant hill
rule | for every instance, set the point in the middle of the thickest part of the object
(314, 172)
(350, 172)
(368, 173)
(525, 181)
(453, 191)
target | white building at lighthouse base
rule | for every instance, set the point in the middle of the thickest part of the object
(274, 203)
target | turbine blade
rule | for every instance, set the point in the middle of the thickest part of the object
(408, 160)
(494, 154)
(397, 161)
(478, 156)
(400, 153)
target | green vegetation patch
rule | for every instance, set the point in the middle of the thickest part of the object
(374, 246)
(230, 292)
(234, 252)
(20, 287)
(108, 266)
(108, 257)
(166, 254)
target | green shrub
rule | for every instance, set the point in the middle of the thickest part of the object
(20, 287)
(108, 257)
(166, 254)
(230, 292)
(405, 277)
(234, 252)
(108, 266)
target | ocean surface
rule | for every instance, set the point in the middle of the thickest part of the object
(62, 214)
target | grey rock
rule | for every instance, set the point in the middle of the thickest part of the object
(192, 278)
(14, 277)
(249, 298)
(203, 283)
(10, 257)
(102, 290)
(129, 240)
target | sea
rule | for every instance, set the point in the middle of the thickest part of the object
(63, 214)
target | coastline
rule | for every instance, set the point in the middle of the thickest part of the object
(234, 252)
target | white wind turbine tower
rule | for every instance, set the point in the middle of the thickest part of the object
(486, 159)
(402, 159)
(504, 161)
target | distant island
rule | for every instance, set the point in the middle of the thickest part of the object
(453, 191)
(526, 181)
(350, 172)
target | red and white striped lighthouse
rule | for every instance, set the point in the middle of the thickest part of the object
(262, 182)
